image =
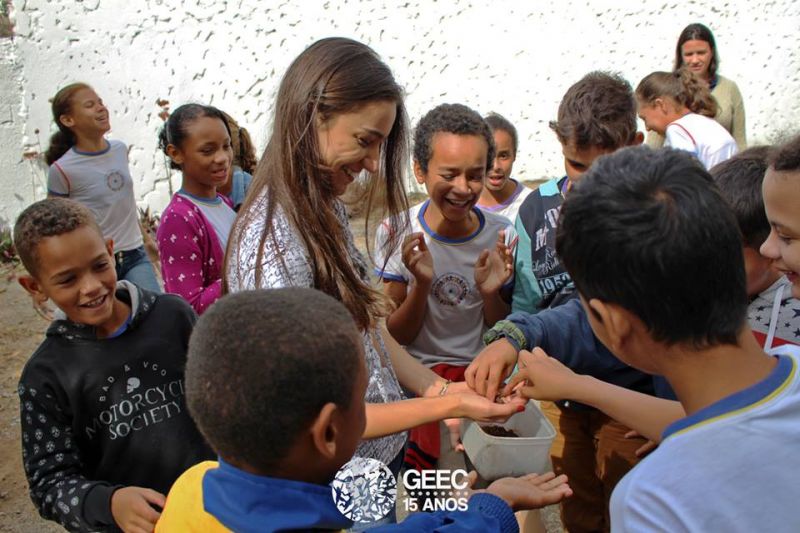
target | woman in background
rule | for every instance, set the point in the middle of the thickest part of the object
(697, 51)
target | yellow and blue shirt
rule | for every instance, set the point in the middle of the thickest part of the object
(215, 497)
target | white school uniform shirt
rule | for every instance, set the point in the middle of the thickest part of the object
(453, 327)
(709, 142)
(510, 207)
(731, 466)
(102, 182)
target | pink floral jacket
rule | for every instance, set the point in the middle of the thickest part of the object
(191, 254)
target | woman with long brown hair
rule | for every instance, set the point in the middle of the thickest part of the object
(340, 113)
(696, 51)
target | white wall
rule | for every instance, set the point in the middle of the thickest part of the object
(513, 57)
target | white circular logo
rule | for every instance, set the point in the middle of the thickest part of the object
(364, 490)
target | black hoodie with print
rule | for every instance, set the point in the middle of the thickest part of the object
(100, 414)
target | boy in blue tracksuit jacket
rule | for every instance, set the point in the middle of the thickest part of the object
(565, 333)
(589, 445)
(597, 116)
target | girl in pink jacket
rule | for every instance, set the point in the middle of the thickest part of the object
(195, 225)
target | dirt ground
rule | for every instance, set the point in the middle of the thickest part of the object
(21, 331)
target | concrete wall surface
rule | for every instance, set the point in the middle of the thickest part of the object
(513, 57)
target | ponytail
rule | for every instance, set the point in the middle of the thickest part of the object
(680, 85)
(63, 139)
(244, 152)
(697, 96)
(60, 142)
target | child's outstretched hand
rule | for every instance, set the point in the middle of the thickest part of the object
(543, 377)
(130, 507)
(417, 258)
(486, 373)
(532, 491)
(494, 267)
(474, 406)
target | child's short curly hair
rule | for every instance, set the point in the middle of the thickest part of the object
(48, 218)
(450, 118)
(597, 111)
(260, 366)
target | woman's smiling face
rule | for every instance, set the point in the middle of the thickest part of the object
(351, 142)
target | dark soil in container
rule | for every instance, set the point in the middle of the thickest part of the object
(499, 431)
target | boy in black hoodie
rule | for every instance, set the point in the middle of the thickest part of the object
(105, 430)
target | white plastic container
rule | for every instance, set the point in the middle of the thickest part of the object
(496, 457)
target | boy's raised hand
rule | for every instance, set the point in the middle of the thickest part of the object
(131, 509)
(544, 378)
(494, 267)
(417, 258)
(532, 491)
(491, 367)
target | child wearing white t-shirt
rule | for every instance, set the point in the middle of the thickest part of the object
(88, 168)
(455, 260)
(453, 318)
(678, 106)
(683, 315)
(452, 277)
(502, 195)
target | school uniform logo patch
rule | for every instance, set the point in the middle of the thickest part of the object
(115, 180)
(450, 289)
